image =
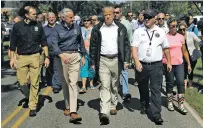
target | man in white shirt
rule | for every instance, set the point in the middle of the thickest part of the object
(109, 53)
(161, 24)
(148, 44)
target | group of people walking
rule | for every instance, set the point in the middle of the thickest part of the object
(105, 50)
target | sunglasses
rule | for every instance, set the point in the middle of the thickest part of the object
(86, 20)
(182, 29)
(130, 15)
(160, 18)
(116, 12)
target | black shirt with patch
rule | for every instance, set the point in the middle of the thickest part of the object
(27, 38)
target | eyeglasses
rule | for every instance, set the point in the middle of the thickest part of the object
(183, 29)
(116, 12)
(148, 17)
(173, 26)
(86, 20)
(160, 18)
(130, 15)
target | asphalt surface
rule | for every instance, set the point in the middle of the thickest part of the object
(51, 113)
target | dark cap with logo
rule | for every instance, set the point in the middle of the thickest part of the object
(150, 12)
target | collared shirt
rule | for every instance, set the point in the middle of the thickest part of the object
(27, 38)
(142, 42)
(109, 39)
(66, 38)
(165, 28)
(128, 26)
(48, 31)
(138, 25)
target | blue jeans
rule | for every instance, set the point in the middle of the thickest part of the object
(52, 74)
(177, 72)
(124, 74)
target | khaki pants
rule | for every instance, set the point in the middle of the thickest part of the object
(29, 64)
(71, 74)
(62, 81)
(109, 76)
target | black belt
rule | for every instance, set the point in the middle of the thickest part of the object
(110, 56)
(150, 63)
(29, 53)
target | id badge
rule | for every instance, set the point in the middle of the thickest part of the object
(149, 52)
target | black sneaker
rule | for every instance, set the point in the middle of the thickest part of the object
(104, 119)
(33, 113)
(55, 90)
(127, 97)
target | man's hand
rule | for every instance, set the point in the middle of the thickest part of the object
(126, 65)
(64, 58)
(138, 66)
(83, 61)
(46, 62)
(12, 63)
(169, 67)
(189, 69)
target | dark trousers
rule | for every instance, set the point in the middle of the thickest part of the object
(153, 73)
(178, 73)
(193, 64)
(52, 74)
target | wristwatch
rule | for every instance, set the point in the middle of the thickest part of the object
(47, 57)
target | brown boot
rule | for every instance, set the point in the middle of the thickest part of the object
(74, 117)
(181, 108)
(67, 112)
(113, 111)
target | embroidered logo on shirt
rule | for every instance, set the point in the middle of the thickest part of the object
(157, 35)
(36, 28)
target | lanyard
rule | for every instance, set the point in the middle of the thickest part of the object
(149, 37)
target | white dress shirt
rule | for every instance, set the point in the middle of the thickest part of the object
(109, 36)
(141, 41)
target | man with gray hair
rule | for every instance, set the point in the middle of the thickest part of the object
(66, 40)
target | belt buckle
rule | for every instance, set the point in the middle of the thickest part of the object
(150, 63)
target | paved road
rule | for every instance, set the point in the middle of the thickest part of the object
(51, 114)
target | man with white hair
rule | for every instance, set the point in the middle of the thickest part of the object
(66, 40)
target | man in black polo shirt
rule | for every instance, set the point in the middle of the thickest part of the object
(28, 37)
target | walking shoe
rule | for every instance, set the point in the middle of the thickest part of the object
(55, 90)
(74, 117)
(82, 90)
(127, 97)
(158, 120)
(104, 119)
(143, 109)
(67, 112)
(33, 113)
(113, 111)
(92, 87)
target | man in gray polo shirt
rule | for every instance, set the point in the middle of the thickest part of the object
(148, 44)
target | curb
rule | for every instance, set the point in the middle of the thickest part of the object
(194, 113)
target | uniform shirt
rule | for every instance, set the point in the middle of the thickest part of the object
(142, 41)
(175, 47)
(109, 35)
(48, 31)
(27, 38)
(67, 39)
(165, 28)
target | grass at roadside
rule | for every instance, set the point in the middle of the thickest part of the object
(191, 95)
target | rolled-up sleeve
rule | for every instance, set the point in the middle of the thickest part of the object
(136, 40)
(55, 40)
(13, 42)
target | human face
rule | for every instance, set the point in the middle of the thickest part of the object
(117, 13)
(108, 16)
(167, 16)
(32, 14)
(182, 29)
(173, 27)
(94, 19)
(87, 23)
(69, 18)
(141, 17)
(191, 20)
(40, 18)
(130, 16)
(52, 19)
(160, 19)
(149, 21)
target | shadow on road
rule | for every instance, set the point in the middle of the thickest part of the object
(61, 104)
(134, 104)
(41, 101)
(9, 87)
(95, 104)
(131, 81)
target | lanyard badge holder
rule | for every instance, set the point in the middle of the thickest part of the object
(149, 49)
